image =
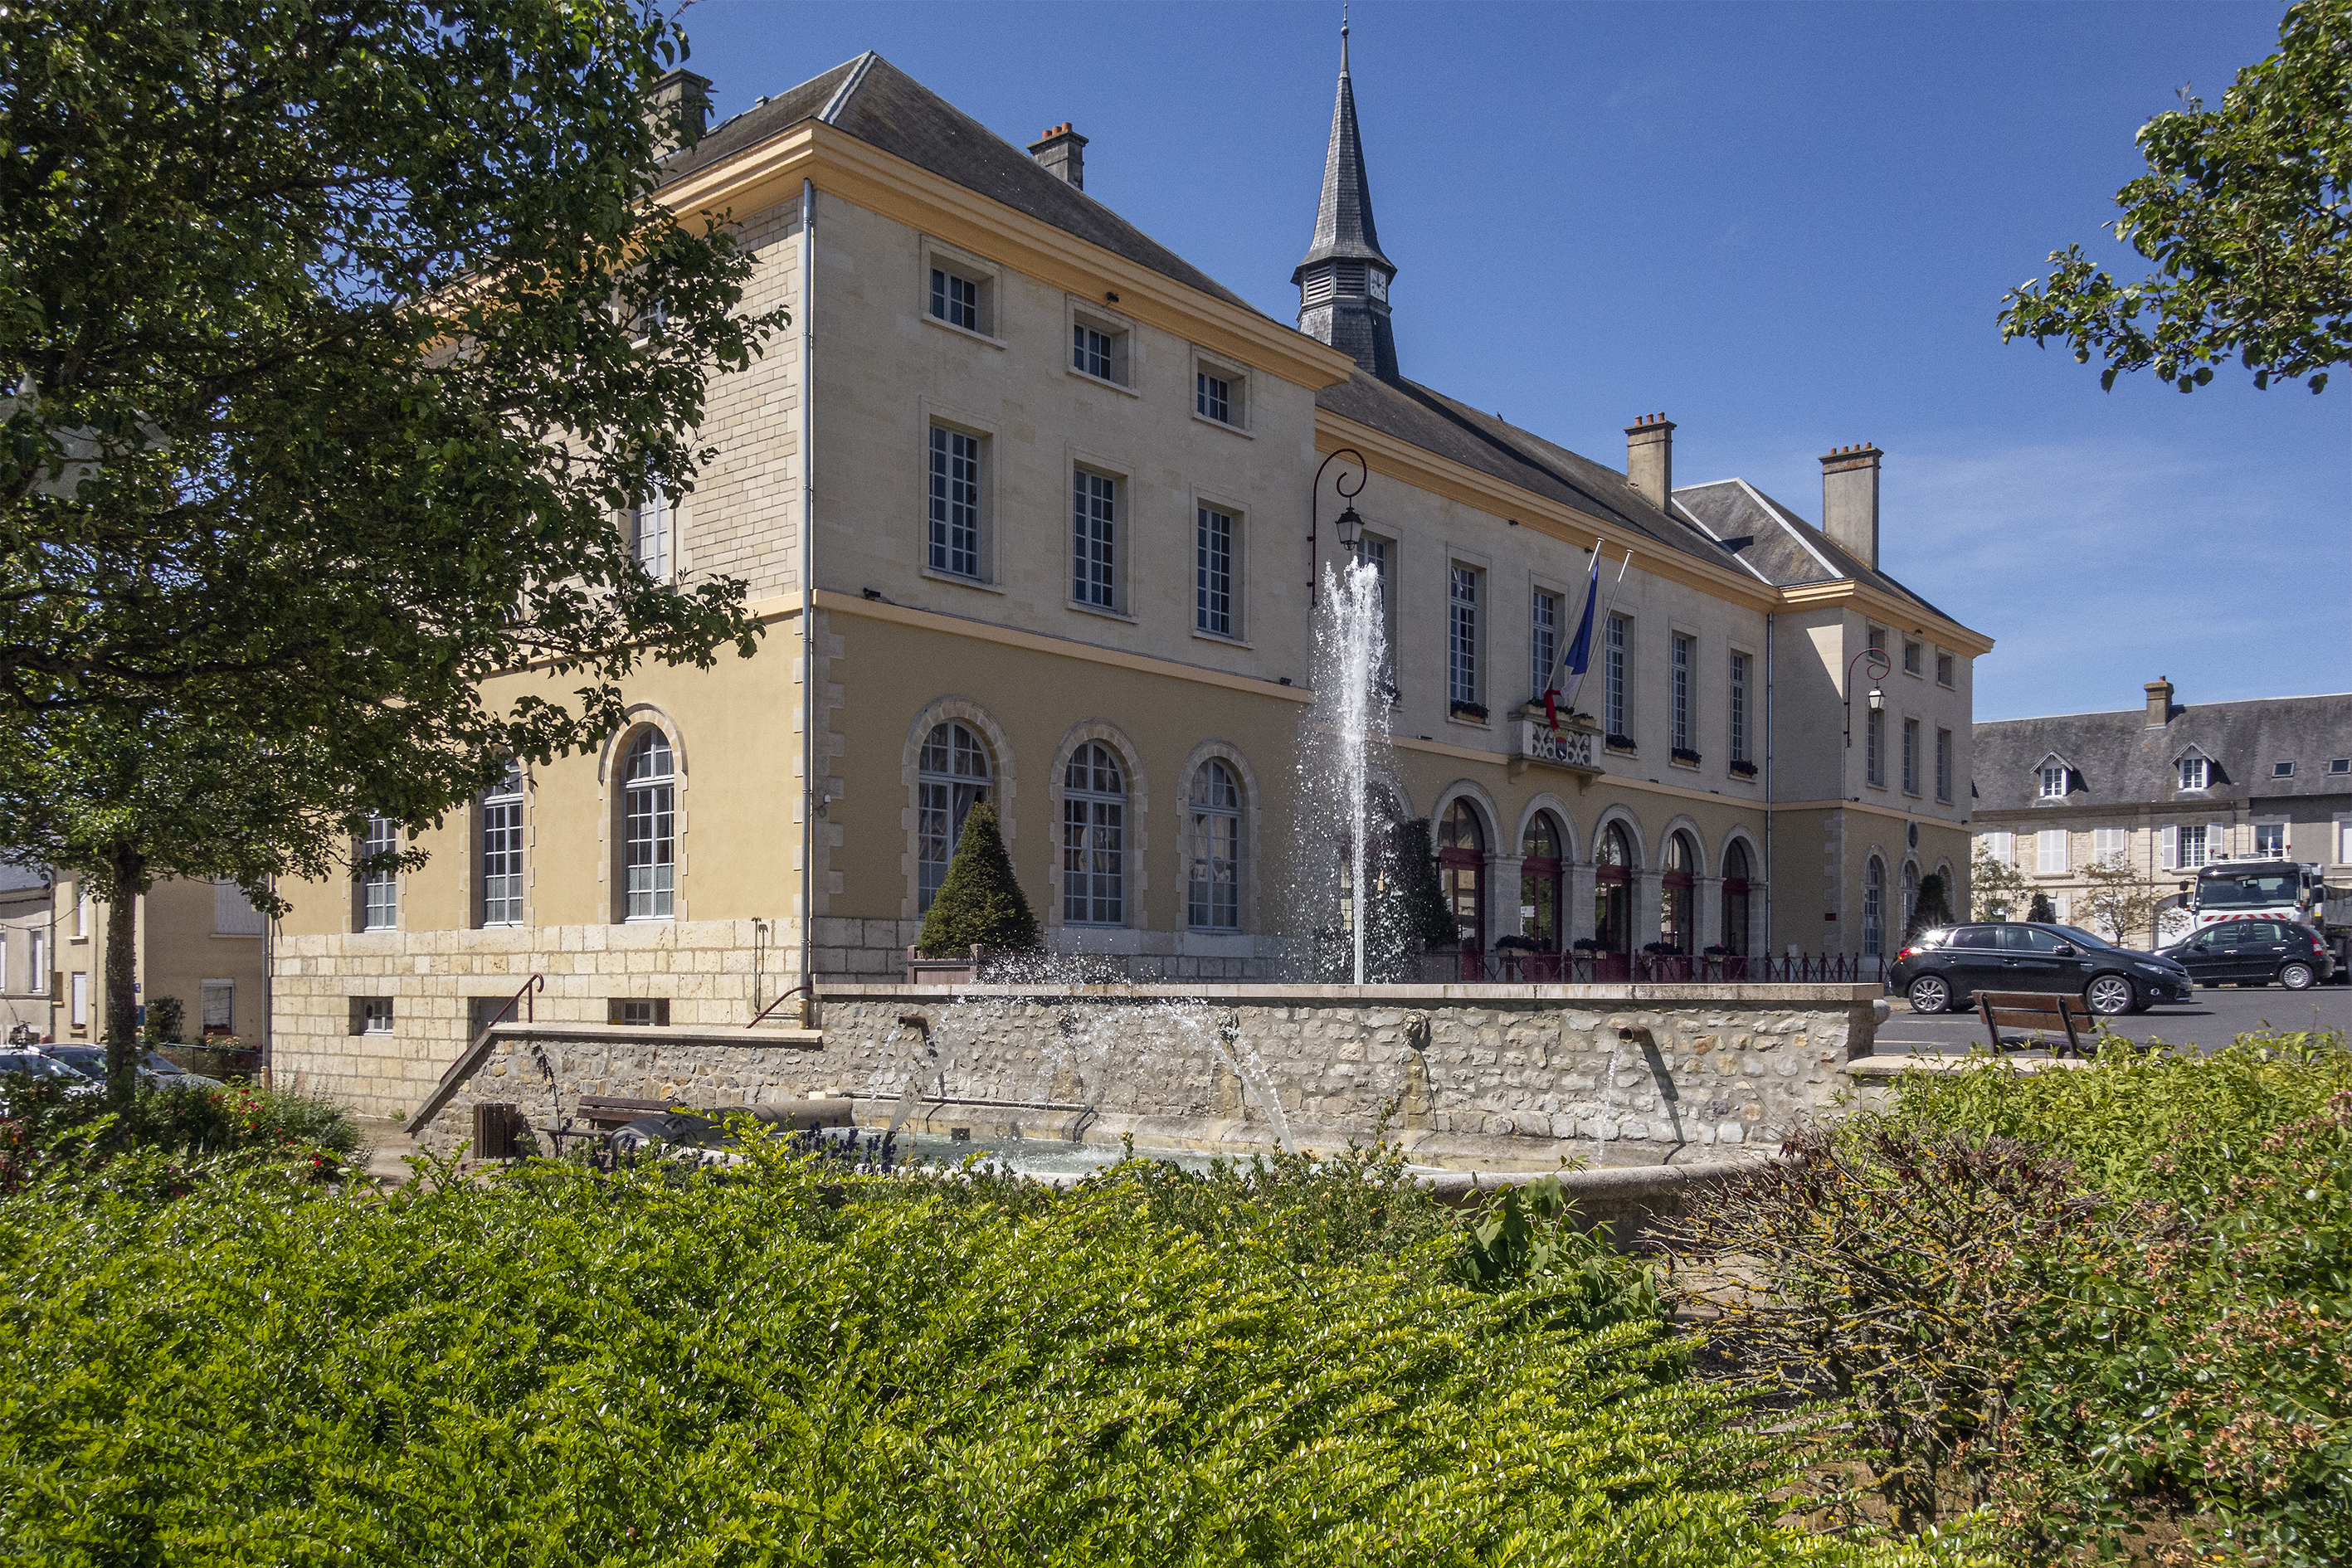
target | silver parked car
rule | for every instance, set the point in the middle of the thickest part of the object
(156, 1070)
(33, 1064)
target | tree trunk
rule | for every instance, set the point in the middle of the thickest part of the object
(127, 869)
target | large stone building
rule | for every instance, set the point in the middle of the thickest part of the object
(1031, 505)
(2166, 788)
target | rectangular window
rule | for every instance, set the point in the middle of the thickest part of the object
(1874, 748)
(502, 852)
(2192, 847)
(1212, 572)
(233, 913)
(79, 1001)
(2343, 855)
(649, 537)
(380, 888)
(2050, 849)
(2108, 844)
(82, 912)
(2192, 772)
(1093, 541)
(1877, 639)
(1543, 640)
(3, 962)
(1212, 398)
(216, 1007)
(1912, 659)
(2338, 766)
(955, 502)
(955, 301)
(2270, 840)
(1679, 694)
(2282, 770)
(1943, 764)
(1910, 756)
(1374, 552)
(37, 982)
(1090, 351)
(1943, 670)
(637, 1012)
(371, 1014)
(1612, 675)
(1739, 708)
(1462, 641)
(2054, 780)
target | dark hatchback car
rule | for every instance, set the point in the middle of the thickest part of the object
(1942, 969)
(2255, 953)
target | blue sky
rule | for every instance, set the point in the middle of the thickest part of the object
(1789, 227)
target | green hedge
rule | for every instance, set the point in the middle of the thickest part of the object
(787, 1367)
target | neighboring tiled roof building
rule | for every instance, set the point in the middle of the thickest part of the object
(2169, 786)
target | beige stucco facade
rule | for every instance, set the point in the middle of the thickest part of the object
(198, 943)
(1007, 651)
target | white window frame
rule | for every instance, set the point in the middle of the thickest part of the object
(953, 502)
(2051, 780)
(78, 995)
(1616, 655)
(652, 538)
(1681, 652)
(2109, 843)
(500, 851)
(1213, 891)
(2266, 831)
(2050, 851)
(2197, 767)
(1741, 664)
(2000, 847)
(648, 836)
(1911, 733)
(1874, 908)
(1216, 570)
(205, 989)
(380, 890)
(1119, 340)
(1097, 555)
(1465, 584)
(2283, 769)
(946, 791)
(1543, 639)
(37, 982)
(1094, 839)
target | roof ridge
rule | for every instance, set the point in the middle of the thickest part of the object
(850, 84)
(2185, 708)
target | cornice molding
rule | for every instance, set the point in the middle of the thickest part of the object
(1882, 606)
(768, 174)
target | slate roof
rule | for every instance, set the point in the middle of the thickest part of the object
(876, 102)
(16, 878)
(1343, 219)
(2118, 760)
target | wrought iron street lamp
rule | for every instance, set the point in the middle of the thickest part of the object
(1351, 527)
(1881, 666)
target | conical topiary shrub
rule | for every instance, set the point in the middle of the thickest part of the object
(1426, 918)
(1931, 909)
(2040, 913)
(980, 904)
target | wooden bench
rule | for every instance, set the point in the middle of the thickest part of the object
(608, 1111)
(2037, 1010)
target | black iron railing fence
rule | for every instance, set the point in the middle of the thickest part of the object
(1509, 966)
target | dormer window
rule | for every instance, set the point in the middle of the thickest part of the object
(2194, 773)
(2054, 780)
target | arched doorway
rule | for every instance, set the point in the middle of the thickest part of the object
(1735, 906)
(1612, 905)
(1460, 865)
(1540, 906)
(1678, 900)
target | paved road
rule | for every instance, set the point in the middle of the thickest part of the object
(2217, 1015)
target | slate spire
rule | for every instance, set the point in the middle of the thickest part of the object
(1343, 283)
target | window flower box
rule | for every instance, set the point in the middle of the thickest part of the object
(1685, 754)
(1618, 743)
(1476, 711)
(1745, 770)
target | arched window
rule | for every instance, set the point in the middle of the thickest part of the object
(1461, 861)
(1910, 897)
(952, 776)
(649, 829)
(502, 805)
(1539, 902)
(1094, 839)
(1735, 897)
(1873, 909)
(1678, 895)
(1213, 899)
(1612, 900)
(379, 887)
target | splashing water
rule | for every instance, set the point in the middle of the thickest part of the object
(1344, 756)
(1608, 1087)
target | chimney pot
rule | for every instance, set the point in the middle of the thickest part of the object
(1850, 501)
(1062, 152)
(1650, 459)
(677, 109)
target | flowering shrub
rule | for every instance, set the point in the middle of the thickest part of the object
(184, 1126)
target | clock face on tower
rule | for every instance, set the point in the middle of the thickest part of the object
(1379, 285)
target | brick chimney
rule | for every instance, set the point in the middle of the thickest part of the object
(1062, 152)
(1650, 459)
(677, 109)
(1850, 501)
(2159, 702)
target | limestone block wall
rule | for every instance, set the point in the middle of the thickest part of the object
(437, 981)
(1489, 1076)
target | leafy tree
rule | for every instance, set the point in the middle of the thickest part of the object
(1994, 886)
(981, 903)
(2118, 899)
(2246, 211)
(340, 337)
(1931, 909)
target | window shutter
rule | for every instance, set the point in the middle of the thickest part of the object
(2050, 849)
(2107, 842)
(2172, 848)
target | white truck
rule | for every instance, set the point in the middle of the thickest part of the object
(2270, 889)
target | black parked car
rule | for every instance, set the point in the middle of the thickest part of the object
(2255, 953)
(1943, 969)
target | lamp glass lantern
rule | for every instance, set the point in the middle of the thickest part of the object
(1350, 530)
(1878, 701)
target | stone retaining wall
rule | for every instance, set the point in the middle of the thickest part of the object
(1475, 1077)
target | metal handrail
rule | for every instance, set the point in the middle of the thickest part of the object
(472, 1055)
(778, 1003)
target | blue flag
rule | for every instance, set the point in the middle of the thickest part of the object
(1578, 658)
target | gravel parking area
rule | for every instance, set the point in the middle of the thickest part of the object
(2218, 1016)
